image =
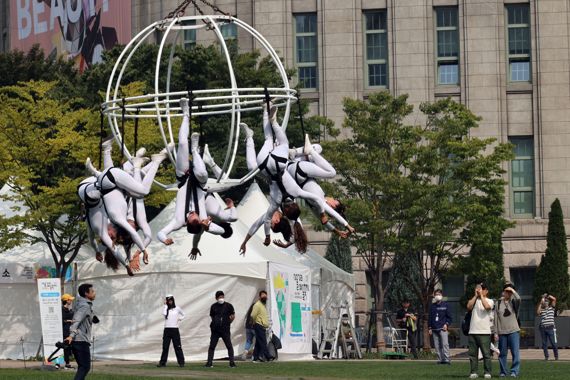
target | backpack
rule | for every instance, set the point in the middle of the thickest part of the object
(466, 323)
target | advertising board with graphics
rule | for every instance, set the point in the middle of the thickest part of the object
(77, 29)
(49, 296)
(290, 292)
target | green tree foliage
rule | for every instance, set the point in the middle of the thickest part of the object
(44, 141)
(417, 190)
(552, 273)
(339, 253)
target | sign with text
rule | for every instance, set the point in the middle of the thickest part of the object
(49, 295)
(78, 29)
(291, 307)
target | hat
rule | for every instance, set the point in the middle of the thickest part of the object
(169, 296)
(67, 297)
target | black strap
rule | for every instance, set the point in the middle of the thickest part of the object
(300, 113)
(278, 160)
(122, 128)
(101, 138)
(300, 172)
(191, 190)
(278, 179)
(136, 130)
(109, 175)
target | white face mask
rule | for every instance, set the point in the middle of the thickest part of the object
(438, 298)
(220, 300)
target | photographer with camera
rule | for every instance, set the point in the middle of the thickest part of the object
(80, 330)
(481, 309)
(507, 329)
(546, 310)
(407, 320)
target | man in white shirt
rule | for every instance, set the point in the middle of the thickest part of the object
(481, 309)
(172, 316)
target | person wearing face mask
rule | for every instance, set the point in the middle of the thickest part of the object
(438, 323)
(222, 314)
(546, 310)
(172, 317)
(261, 324)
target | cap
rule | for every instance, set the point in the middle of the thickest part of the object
(169, 296)
(67, 297)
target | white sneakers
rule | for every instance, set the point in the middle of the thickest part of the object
(138, 162)
(184, 106)
(141, 152)
(308, 148)
(248, 132)
(272, 113)
(475, 376)
(90, 168)
(207, 158)
(107, 144)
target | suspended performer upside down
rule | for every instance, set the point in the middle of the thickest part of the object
(272, 162)
(190, 208)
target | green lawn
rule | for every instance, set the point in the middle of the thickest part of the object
(299, 370)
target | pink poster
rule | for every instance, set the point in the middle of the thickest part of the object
(78, 29)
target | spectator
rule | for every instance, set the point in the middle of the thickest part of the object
(546, 310)
(260, 318)
(67, 320)
(407, 320)
(346, 335)
(80, 330)
(249, 332)
(438, 324)
(507, 329)
(172, 317)
(481, 309)
(222, 314)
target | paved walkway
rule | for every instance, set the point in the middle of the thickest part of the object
(456, 353)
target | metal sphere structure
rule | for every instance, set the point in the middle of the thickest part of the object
(163, 105)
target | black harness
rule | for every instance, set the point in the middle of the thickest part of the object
(300, 176)
(111, 178)
(87, 200)
(191, 190)
(278, 160)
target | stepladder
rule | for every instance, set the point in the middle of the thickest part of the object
(339, 339)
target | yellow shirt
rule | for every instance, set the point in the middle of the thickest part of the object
(259, 314)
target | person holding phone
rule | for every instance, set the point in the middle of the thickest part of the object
(507, 329)
(481, 308)
(172, 317)
(546, 310)
(407, 320)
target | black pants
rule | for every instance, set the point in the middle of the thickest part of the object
(413, 338)
(214, 338)
(83, 358)
(260, 351)
(171, 334)
(67, 354)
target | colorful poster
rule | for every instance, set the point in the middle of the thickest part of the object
(78, 29)
(290, 292)
(49, 295)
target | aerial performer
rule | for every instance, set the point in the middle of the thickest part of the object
(272, 162)
(190, 208)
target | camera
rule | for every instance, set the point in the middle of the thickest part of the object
(95, 319)
(62, 345)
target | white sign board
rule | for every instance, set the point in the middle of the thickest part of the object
(291, 311)
(49, 295)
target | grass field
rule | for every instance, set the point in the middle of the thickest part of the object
(298, 370)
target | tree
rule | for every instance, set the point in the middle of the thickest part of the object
(339, 253)
(403, 272)
(552, 272)
(43, 143)
(420, 191)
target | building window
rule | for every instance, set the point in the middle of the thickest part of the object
(376, 45)
(189, 35)
(522, 176)
(447, 37)
(306, 49)
(453, 288)
(518, 35)
(523, 280)
(229, 31)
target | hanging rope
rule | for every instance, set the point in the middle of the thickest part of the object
(122, 128)
(202, 141)
(101, 137)
(267, 104)
(137, 129)
(300, 113)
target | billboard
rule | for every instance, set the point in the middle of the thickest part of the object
(78, 29)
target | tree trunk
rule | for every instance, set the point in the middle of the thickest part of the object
(426, 301)
(380, 343)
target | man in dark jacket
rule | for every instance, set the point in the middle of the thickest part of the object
(67, 320)
(438, 324)
(407, 319)
(222, 314)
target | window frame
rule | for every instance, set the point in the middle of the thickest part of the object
(315, 63)
(522, 189)
(512, 58)
(189, 43)
(365, 59)
(441, 61)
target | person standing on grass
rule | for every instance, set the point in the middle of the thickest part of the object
(172, 317)
(481, 309)
(261, 324)
(546, 311)
(249, 332)
(407, 320)
(222, 314)
(67, 320)
(438, 324)
(507, 329)
(80, 330)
